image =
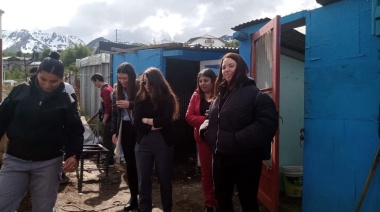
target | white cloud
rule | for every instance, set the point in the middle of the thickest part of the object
(144, 19)
(164, 22)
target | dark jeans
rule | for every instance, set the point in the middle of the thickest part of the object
(151, 150)
(107, 142)
(243, 172)
(128, 142)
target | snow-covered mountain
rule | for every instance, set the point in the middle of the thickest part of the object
(29, 41)
(226, 38)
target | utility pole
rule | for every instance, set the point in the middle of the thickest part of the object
(1, 58)
(116, 40)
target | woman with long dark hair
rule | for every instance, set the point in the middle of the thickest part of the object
(155, 110)
(122, 107)
(241, 124)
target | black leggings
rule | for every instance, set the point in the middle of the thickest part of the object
(245, 174)
(128, 142)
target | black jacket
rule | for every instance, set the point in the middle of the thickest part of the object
(244, 124)
(162, 117)
(40, 126)
(116, 114)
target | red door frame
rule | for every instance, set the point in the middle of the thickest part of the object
(269, 181)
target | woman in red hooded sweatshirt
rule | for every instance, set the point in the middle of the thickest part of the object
(195, 116)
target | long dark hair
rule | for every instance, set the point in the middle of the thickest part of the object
(240, 74)
(206, 73)
(159, 89)
(126, 68)
(52, 64)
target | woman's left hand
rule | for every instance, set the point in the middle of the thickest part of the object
(122, 104)
(70, 164)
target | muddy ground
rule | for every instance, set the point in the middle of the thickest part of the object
(111, 193)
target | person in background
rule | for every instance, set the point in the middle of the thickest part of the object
(51, 128)
(195, 115)
(105, 114)
(155, 110)
(33, 74)
(70, 90)
(241, 124)
(122, 106)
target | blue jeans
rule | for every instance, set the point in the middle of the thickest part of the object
(42, 178)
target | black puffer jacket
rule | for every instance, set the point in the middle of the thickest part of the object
(245, 124)
(39, 127)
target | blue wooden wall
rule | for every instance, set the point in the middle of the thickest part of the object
(341, 100)
(140, 60)
(341, 108)
(143, 59)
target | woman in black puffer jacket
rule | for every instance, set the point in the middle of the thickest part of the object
(42, 122)
(241, 124)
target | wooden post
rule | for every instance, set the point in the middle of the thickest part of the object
(1, 59)
(369, 179)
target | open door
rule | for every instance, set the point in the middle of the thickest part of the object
(265, 69)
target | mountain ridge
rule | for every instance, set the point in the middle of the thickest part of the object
(29, 41)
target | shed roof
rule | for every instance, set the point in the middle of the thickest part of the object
(262, 20)
(107, 46)
(294, 40)
(177, 46)
(204, 36)
(326, 2)
(250, 23)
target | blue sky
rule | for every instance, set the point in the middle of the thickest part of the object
(144, 20)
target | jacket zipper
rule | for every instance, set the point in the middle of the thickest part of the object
(219, 111)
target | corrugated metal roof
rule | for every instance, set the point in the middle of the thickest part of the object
(326, 2)
(107, 46)
(176, 46)
(250, 23)
(294, 40)
(204, 36)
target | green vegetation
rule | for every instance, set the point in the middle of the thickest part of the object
(233, 43)
(15, 54)
(16, 73)
(69, 55)
(68, 58)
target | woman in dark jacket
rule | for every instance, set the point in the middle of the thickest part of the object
(242, 122)
(41, 121)
(155, 110)
(122, 106)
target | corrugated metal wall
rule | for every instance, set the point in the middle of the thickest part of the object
(182, 76)
(89, 94)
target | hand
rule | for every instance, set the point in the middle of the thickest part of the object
(114, 139)
(144, 120)
(70, 164)
(153, 128)
(122, 104)
(203, 129)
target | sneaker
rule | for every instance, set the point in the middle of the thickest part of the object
(122, 161)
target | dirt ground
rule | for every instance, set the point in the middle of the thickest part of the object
(111, 193)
